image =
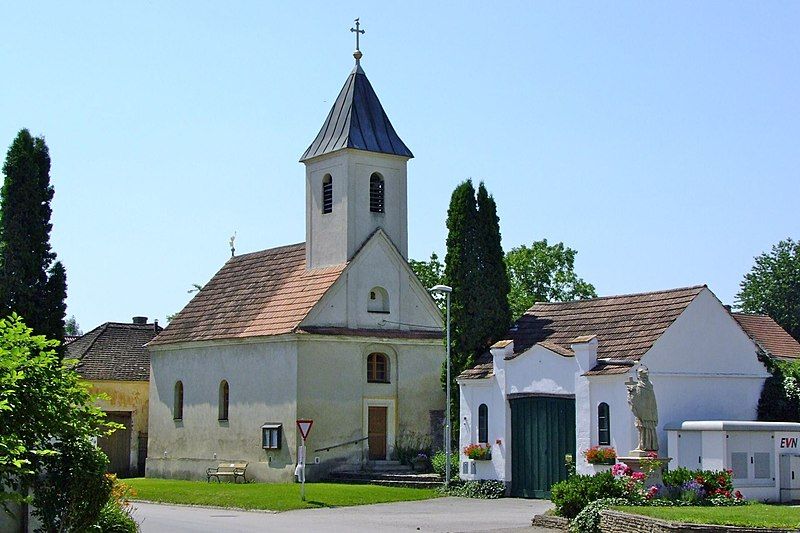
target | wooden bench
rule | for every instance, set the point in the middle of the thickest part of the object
(232, 470)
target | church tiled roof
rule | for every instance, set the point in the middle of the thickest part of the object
(626, 327)
(256, 294)
(114, 351)
(769, 335)
(357, 120)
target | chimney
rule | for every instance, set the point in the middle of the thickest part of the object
(155, 325)
(140, 320)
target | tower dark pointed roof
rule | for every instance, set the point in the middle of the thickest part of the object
(357, 120)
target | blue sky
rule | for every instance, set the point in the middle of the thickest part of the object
(659, 139)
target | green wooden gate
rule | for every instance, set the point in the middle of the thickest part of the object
(542, 434)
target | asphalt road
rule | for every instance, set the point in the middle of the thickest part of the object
(439, 514)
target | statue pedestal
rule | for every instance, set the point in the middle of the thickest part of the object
(637, 461)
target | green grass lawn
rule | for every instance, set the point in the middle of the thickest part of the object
(753, 515)
(270, 496)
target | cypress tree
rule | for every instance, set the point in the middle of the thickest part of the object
(26, 259)
(494, 285)
(462, 273)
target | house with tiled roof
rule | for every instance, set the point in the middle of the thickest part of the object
(557, 385)
(336, 329)
(113, 360)
(772, 339)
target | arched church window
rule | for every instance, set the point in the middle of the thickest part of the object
(378, 300)
(177, 403)
(378, 368)
(376, 193)
(483, 424)
(603, 425)
(224, 398)
(327, 194)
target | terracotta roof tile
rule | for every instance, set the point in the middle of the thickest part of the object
(114, 351)
(769, 335)
(257, 294)
(626, 326)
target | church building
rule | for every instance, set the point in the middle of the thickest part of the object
(336, 329)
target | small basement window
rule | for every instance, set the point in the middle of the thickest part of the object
(271, 436)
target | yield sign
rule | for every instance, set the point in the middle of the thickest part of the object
(304, 426)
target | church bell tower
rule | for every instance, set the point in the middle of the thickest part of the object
(355, 176)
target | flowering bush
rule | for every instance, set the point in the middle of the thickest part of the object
(597, 455)
(681, 487)
(476, 451)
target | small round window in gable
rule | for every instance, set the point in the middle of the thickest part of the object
(378, 300)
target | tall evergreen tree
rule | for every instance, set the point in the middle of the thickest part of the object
(494, 286)
(462, 272)
(30, 284)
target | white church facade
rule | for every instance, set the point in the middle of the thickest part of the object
(337, 329)
(557, 385)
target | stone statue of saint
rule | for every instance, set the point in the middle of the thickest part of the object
(642, 400)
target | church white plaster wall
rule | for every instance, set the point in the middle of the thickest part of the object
(378, 264)
(263, 387)
(334, 392)
(335, 237)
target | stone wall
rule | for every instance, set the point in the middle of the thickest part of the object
(618, 522)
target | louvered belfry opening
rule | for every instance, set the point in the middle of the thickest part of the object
(327, 194)
(376, 190)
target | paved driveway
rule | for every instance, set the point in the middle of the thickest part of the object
(439, 514)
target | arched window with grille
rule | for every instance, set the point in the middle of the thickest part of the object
(378, 368)
(603, 425)
(327, 194)
(224, 399)
(483, 424)
(177, 403)
(376, 193)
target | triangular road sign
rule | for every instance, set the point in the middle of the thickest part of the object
(304, 426)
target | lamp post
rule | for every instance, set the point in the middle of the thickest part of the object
(444, 289)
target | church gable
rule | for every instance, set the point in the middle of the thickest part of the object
(377, 291)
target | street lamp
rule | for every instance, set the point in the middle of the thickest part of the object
(444, 289)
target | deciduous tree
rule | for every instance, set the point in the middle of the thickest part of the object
(772, 287)
(543, 273)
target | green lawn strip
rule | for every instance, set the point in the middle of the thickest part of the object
(752, 515)
(270, 496)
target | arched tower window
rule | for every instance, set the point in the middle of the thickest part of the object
(177, 403)
(224, 398)
(377, 368)
(603, 425)
(378, 300)
(483, 424)
(376, 193)
(327, 194)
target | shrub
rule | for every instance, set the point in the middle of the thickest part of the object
(410, 445)
(485, 489)
(116, 514)
(439, 460)
(72, 490)
(588, 520)
(573, 494)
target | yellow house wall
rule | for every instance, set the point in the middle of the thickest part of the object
(126, 396)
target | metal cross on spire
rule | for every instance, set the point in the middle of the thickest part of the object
(358, 31)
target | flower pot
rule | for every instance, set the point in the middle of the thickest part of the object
(601, 467)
